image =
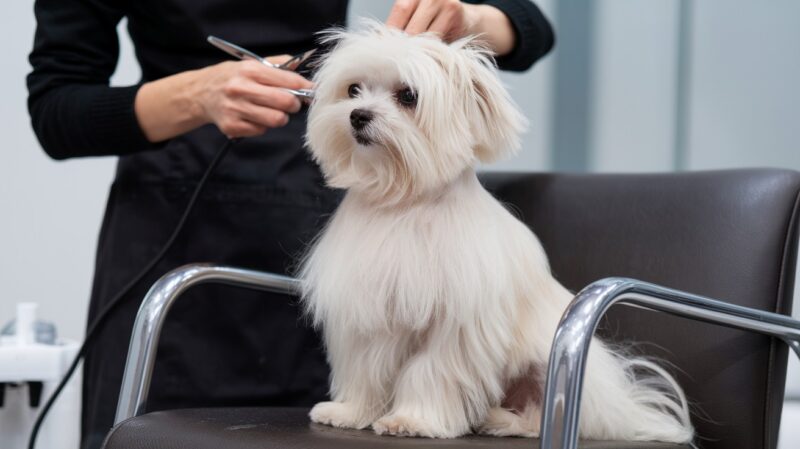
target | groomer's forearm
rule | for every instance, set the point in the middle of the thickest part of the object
(495, 28)
(166, 108)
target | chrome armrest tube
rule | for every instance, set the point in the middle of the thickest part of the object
(559, 426)
(153, 311)
(562, 395)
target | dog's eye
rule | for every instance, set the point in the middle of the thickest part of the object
(353, 90)
(406, 97)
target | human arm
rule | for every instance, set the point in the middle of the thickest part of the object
(516, 30)
(74, 111)
(240, 97)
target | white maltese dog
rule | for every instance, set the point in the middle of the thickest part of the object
(437, 306)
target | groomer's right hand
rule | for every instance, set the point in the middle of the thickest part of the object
(244, 98)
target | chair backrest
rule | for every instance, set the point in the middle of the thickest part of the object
(730, 235)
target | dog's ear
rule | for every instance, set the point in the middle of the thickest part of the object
(496, 120)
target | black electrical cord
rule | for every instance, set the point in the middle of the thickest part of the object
(92, 330)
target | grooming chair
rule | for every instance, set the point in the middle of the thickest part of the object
(729, 235)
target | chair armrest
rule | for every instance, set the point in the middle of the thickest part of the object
(153, 312)
(559, 429)
(562, 394)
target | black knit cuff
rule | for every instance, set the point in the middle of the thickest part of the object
(115, 128)
(534, 36)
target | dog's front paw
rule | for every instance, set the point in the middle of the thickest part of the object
(406, 426)
(336, 414)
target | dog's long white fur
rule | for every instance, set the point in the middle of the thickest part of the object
(433, 299)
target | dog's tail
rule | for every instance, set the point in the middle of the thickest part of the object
(656, 391)
(632, 398)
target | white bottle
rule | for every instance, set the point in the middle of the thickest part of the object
(26, 319)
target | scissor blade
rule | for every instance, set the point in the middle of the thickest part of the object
(236, 51)
(297, 59)
(302, 94)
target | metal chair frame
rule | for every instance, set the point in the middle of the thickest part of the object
(562, 394)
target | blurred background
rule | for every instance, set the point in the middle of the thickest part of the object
(658, 85)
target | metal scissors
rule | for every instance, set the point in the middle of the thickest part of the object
(291, 64)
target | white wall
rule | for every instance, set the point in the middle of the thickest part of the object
(633, 85)
(745, 84)
(742, 85)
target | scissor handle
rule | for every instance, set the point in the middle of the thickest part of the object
(243, 53)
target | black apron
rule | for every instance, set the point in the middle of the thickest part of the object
(220, 346)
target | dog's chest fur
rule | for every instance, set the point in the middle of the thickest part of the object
(448, 259)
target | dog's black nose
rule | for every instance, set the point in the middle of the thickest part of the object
(360, 118)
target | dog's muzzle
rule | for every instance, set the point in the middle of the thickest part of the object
(359, 119)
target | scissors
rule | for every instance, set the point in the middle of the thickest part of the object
(291, 64)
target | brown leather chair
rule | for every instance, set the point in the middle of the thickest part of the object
(730, 235)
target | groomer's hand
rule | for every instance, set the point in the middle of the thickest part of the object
(452, 19)
(243, 98)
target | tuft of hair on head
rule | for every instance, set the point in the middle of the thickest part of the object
(333, 37)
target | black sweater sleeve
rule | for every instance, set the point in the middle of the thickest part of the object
(534, 34)
(73, 110)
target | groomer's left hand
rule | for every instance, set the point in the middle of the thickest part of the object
(452, 19)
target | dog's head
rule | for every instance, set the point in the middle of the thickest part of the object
(396, 116)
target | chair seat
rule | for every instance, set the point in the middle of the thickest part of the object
(290, 428)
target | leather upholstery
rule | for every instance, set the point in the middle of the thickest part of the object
(289, 428)
(730, 235)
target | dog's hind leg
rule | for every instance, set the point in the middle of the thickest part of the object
(501, 422)
(520, 413)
